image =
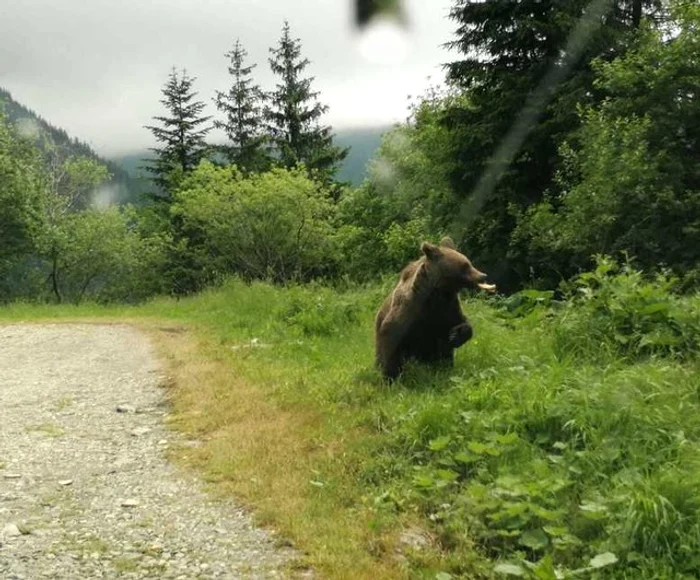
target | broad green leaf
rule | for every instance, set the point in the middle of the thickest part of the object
(534, 539)
(507, 438)
(447, 475)
(509, 570)
(464, 457)
(439, 443)
(653, 308)
(602, 560)
(476, 447)
(424, 481)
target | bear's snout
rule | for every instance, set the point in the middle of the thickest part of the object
(475, 276)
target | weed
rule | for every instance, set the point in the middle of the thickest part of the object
(615, 312)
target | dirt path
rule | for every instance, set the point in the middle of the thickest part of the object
(85, 490)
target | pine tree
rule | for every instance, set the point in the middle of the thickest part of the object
(242, 109)
(293, 114)
(182, 133)
(525, 66)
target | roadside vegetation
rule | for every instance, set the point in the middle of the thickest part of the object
(564, 443)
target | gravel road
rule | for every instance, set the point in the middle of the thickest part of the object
(85, 489)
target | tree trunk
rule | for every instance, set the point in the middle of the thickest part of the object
(636, 13)
(54, 279)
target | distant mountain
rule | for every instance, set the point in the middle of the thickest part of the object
(362, 142)
(125, 187)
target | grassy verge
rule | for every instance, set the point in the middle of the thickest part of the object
(529, 458)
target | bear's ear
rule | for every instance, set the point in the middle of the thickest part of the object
(431, 251)
(447, 242)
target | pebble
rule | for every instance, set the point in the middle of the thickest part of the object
(140, 431)
(11, 531)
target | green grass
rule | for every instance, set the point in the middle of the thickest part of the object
(533, 455)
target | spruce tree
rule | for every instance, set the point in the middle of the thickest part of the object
(242, 110)
(525, 67)
(182, 133)
(293, 114)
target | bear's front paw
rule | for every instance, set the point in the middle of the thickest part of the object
(460, 334)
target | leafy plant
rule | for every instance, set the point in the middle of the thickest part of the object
(274, 225)
(615, 309)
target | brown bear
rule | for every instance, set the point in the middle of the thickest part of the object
(422, 317)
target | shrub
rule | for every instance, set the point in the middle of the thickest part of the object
(97, 255)
(614, 308)
(316, 311)
(274, 225)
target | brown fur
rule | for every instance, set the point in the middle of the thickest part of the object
(422, 317)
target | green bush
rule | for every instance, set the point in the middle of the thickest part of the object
(316, 311)
(97, 255)
(274, 225)
(615, 310)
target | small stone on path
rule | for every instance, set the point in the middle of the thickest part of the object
(129, 503)
(11, 531)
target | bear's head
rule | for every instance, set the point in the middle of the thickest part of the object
(451, 269)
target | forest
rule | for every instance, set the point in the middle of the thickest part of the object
(561, 156)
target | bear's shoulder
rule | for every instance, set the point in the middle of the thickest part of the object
(415, 280)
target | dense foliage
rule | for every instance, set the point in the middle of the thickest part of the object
(276, 225)
(58, 237)
(627, 180)
(525, 67)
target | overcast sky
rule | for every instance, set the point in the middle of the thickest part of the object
(96, 67)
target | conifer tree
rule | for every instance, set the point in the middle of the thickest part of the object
(181, 133)
(293, 114)
(241, 106)
(526, 68)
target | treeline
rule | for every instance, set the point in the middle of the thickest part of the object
(567, 130)
(59, 237)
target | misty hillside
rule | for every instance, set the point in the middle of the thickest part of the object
(362, 143)
(126, 186)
